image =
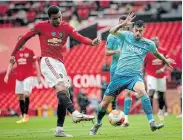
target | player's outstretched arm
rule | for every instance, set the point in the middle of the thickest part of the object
(168, 62)
(128, 21)
(85, 40)
(23, 40)
(10, 67)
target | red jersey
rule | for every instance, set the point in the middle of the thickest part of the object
(52, 39)
(24, 60)
(153, 64)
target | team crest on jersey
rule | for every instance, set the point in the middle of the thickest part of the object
(26, 55)
(53, 33)
(61, 34)
(21, 55)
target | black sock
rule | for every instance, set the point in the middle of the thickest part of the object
(161, 100)
(151, 95)
(61, 112)
(22, 106)
(26, 105)
(65, 100)
(151, 100)
(114, 104)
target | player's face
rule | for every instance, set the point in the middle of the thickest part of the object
(138, 32)
(56, 19)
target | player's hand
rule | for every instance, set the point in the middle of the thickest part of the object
(159, 71)
(128, 20)
(39, 80)
(6, 79)
(96, 42)
(169, 62)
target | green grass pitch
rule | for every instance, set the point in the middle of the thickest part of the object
(43, 129)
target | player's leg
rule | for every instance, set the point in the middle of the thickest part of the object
(161, 88)
(127, 106)
(28, 84)
(67, 103)
(139, 87)
(55, 74)
(101, 113)
(166, 109)
(161, 102)
(21, 98)
(112, 91)
(114, 103)
(151, 87)
(179, 90)
(151, 96)
(61, 113)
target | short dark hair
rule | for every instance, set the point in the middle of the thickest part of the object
(123, 17)
(139, 23)
(53, 10)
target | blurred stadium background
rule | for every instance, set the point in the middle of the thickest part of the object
(88, 66)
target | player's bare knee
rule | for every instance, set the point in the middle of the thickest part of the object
(128, 94)
(21, 97)
(151, 92)
(141, 92)
(26, 94)
(61, 87)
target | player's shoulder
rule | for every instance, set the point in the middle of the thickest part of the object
(127, 32)
(148, 42)
(46, 22)
(111, 37)
(65, 23)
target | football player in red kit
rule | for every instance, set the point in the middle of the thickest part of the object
(25, 60)
(156, 78)
(53, 35)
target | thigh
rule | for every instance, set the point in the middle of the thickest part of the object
(28, 85)
(54, 71)
(151, 83)
(139, 87)
(19, 89)
(161, 84)
(114, 88)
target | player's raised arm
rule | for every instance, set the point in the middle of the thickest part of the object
(115, 30)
